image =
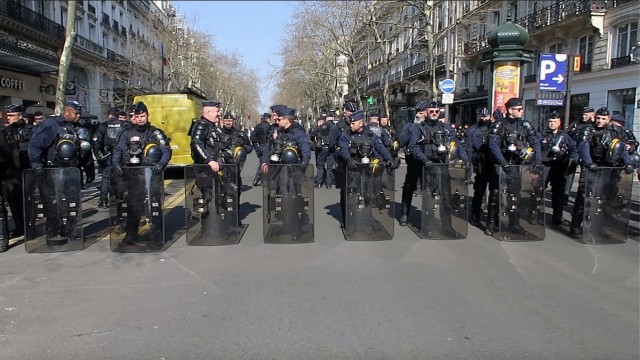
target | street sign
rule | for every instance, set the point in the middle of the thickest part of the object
(447, 86)
(553, 72)
(447, 98)
(550, 98)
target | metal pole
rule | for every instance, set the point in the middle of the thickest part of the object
(567, 96)
(448, 55)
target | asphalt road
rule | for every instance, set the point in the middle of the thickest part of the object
(407, 298)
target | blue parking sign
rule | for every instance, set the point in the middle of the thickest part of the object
(553, 72)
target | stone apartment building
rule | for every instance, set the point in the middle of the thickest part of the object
(111, 35)
(603, 33)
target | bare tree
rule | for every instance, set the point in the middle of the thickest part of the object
(65, 57)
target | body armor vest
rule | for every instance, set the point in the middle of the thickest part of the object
(139, 147)
(435, 142)
(67, 148)
(323, 135)
(284, 148)
(361, 147)
(113, 128)
(600, 144)
(554, 145)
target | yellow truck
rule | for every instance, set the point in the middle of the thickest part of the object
(174, 113)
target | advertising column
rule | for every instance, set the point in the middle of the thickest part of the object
(506, 83)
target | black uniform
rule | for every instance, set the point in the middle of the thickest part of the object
(104, 140)
(234, 147)
(14, 139)
(594, 149)
(131, 150)
(478, 151)
(339, 174)
(54, 143)
(559, 155)
(320, 138)
(509, 140)
(259, 137)
(85, 158)
(290, 146)
(430, 144)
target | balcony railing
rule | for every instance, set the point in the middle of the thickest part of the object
(620, 61)
(415, 69)
(476, 45)
(23, 14)
(556, 13)
(89, 45)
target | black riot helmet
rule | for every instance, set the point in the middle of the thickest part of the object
(152, 154)
(289, 155)
(66, 151)
(239, 154)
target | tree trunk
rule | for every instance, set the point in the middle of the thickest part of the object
(65, 58)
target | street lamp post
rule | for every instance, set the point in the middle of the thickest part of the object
(506, 57)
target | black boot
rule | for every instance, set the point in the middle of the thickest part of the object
(474, 220)
(492, 214)
(576, 217)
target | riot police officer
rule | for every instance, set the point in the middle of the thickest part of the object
(339, 174)
(140, 144)
(290, 146)
(574, 129)
(259, 137)
(86, 165)
(561, 158)
(512, 141)
(320, 138)
(55, 144)
(430, 144)
(361, 145)
(14, 139)
(478, 151)
(599, 145)
(235, 146)
(374, 126)
(104, 140)
(631, 143)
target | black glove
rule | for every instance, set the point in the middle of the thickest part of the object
(396, 163)
(38, 170)
(352, 164)
(303, 165)
(504, 164)
(157, 169)
(117, 170)
(628, 169)
(427, 163)
(593, 167)
(390, 165)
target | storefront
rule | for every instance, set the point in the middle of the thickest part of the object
(18, 88)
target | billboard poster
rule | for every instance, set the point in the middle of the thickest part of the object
(506, 83)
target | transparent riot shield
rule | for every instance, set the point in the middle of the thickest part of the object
(288, 204)
(53, 211)
(369, 200)
(521, 206)
(606, 206)
(212, 205)
(136, 211)
(444, 203)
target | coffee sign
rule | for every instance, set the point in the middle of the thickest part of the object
(6, 82)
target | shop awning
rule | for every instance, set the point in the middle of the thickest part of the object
(24, 59)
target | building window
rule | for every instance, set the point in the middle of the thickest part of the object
(623, 100)
(585, 49)
(464, 82)
(555, 48)
(578, 102)
(627, 38)
(480, 76)
(495, 18)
